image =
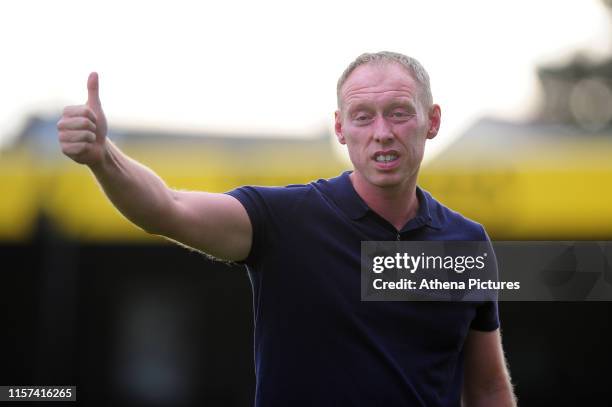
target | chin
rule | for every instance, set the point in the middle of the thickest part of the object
(387, 180)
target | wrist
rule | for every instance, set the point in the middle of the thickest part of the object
(105, 157)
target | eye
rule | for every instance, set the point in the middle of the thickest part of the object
(362, 118)
(400, 114)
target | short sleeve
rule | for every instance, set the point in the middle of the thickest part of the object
(255, 206)
(487, 313)
(272, 213)
(487, 317)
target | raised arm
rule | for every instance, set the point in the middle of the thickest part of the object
(216, 224)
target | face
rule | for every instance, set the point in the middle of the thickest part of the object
(384, 124)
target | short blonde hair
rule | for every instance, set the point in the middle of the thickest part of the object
(413, 66)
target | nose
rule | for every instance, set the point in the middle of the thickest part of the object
(382, 131)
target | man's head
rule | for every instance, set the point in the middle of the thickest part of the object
(385, 114)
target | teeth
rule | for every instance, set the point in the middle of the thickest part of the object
(385, 158)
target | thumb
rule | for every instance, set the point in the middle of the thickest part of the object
(93, 95)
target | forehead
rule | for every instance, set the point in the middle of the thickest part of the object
(378, 83)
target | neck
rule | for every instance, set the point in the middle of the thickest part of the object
(397, 204)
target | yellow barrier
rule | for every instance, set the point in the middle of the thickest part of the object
(550, 191)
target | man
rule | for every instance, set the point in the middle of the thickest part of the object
(316, 342)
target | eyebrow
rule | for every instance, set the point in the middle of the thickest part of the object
(359, 106)
(408, 105)
(405, 103)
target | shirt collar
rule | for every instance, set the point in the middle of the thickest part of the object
(350, 202)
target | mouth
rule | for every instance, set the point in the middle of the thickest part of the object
(386, 156)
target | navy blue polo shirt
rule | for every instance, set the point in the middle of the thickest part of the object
(316, 342)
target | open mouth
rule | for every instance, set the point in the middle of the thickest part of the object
(386, 157)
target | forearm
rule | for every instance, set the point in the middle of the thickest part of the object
(502, 396)
(136, 191)
(486, 377)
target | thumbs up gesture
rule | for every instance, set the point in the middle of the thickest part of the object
(82, 129)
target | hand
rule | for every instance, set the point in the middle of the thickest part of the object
(82, 129)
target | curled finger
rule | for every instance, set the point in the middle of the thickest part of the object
(76, 136)
(76, 123)
(79, 111)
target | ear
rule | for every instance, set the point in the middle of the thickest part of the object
(435, 115)
(338, 127)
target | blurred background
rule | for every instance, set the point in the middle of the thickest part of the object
(214, 97)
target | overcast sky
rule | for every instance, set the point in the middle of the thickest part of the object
(270, 67)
